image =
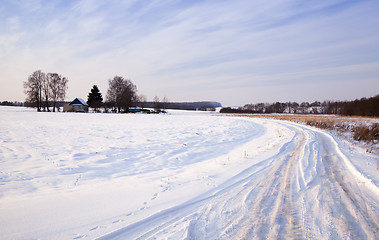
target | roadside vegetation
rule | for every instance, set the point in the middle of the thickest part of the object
(357, 128)
(359, 119)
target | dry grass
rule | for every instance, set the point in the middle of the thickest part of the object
(367, 133)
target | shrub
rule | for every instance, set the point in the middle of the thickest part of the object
(366, 133)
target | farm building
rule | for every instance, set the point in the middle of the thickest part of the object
(78, 105)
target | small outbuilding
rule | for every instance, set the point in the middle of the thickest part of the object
(78, 105)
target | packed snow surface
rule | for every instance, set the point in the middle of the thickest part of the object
(180, 176)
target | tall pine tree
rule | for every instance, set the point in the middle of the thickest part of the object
(95, 98)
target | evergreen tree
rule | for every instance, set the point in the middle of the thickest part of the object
(95, 98)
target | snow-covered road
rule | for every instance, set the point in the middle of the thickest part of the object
(308, 190)
(180, 176)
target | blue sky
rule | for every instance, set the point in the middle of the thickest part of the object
(234, 52)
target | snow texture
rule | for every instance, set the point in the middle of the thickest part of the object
(180, 176)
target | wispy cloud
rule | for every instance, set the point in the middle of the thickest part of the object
(232, 51)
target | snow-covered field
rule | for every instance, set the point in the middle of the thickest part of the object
(180, 176)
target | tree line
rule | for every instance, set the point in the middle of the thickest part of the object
(359, 107)
(192, 106)
(46, 90)
(13, 104)
(122, 97)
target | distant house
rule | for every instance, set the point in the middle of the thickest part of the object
(78, 105)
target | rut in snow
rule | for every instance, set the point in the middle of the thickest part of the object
(305, 191)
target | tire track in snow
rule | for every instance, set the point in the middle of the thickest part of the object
(196, 216)
(305, 191)
(357, 207)
(348, 205)
(285, 201)
(274, 207)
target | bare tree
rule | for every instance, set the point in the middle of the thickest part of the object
(115, 91)
(34, 88)
(46, 92)
(142, 99)
(129, 96)
(122, 93)
(157, 104)
(42, 88)
(58, 87)
(165, 102)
